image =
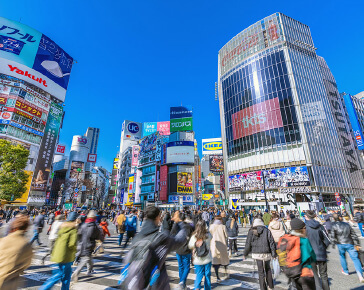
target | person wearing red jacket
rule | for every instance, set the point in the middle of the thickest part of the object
(105, 230)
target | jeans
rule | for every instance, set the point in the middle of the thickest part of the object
(265, 274)
(121, 235)
(63, 273)
(233, 247)
(322, 270)
(129, 234)
(360, 225)
(184, 262)
(35, 237)
(203, 270)
(343, 248)
(84, 260)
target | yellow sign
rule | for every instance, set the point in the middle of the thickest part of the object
(212, 146)
(24, 197)
(234, 203)
(184, 182)
(116, 163)
(206, 196)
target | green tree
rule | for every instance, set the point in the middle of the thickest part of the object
(13, 179)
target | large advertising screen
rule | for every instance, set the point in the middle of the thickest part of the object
(29, 55)
(211, 146)
(274, 179)
(180, 112)
(216, 163)
(131, 130)
(47, 147)
(76, 169)
(182, 124)
(257, 118)
(354, 122)
(184, 182)
(180, 152)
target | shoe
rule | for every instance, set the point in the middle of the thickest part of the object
(90, 273)
(218, 280)
(346, 274)
(236, 254)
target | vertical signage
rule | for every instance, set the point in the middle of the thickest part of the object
(135, 155)
(163, 183)
(358, 134)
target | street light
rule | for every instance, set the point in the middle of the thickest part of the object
(265, 194)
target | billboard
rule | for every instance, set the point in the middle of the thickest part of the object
(75, 167)
(182, 124)
(274, 178)
(164, 128)
(358, 134)
(27, 54)
(46, 149)
(184, 182)
(131, 130)
(116, 163)
(180, 112)
(216, 163)
(138, 183)
(91, 157)
(149, 128)
(175, 198)
(60, 149)
(135, 155)
(163, 192)
(257, 118)
(211, 146)
(180, 152)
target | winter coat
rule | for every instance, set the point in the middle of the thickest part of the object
(64, 249)
(105, 229)
(120, 222)
(163, 244)
(328, 223)
(318, 238)
(288, 225)
(232, 232)
(15, 256)
(54, 230)
(277, 230)
(266, 218)
(260, 241)
(358, 217)
(39, 221)
(184, 249)
(200, 260)
(343, 233)
(167, 224)
(88, 233)
(205, 216)
(218, 248)
(51, 218)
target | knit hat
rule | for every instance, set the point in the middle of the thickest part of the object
(258, 222)
(266, 210)
(310, 214)
(297, 224)
(292, 216)
(91, 214)
(72, 216)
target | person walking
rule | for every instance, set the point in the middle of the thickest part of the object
(50, 221)
(319, 241)
(16, 253)
(243, 218)
(290, 216)
(206, 217)
(359, 219)
(276, 228)
(130, 226)
(260, 243)
(141, 217)
(64, 253)
(267, 218)
(327, 218)
(200, 244)
(220, 256)
(88, 233)
(120, 220)
(38, 227)
(232, 229)
(167, 223)
(105, 231)
(59, 219)
(343, 235)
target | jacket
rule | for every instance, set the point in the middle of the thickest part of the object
(167, 224)
(266, 218)
(64, 250)
(318, 238)
(163, 244)
(51, 218)
(232, 232)
(277, 230)
(88, 233)
(260, 241)
(200, 260)
(39, 221)
(183, 249)
(54, 230)
(343, 233)
(218, 248)
(105, 229)
(328, 223)
(16, 255)
(120, 221)
(358, 217)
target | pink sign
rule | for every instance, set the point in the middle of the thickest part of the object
(135, 155)
(163, 128)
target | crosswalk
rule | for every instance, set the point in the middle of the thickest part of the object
(107, 266)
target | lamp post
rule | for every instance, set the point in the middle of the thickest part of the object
(265, 194)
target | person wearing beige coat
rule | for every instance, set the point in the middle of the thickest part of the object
(219, 252)
(276, 228)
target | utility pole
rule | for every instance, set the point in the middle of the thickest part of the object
(265, 194)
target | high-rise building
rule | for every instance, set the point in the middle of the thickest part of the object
(92, 135)
(284, 129)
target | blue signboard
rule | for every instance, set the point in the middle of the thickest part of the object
(180, 112)
(149, 128)
(181, 143)
(354, 121)
(11, 123)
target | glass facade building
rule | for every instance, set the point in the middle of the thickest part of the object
(280, 117)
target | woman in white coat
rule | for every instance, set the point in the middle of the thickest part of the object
(219, 252)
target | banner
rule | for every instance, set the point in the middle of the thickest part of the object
(184, 182)
(138, 183)
(207, 196)
(180, 112)
(175, 198)
(182, 124)
(164, 128)
(211, 146)
(149, 128)
(135, 155)
(163, 192)
(47, 147)
(216, 163)
(354, 121)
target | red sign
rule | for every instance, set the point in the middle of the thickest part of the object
(2, 100)
(257, 118)
(163, 183)
(21, 105)
(222, 182)
(135, 155)
(163, 128)
(91, 157)
(61, 149)
(6, 115)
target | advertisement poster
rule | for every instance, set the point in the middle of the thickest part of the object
(182, 124)
(47, 147)
(75, 167)
(116, 163)
(207, 196)
(135, 155)
(149, 128)
(216, 163)
(163, 183)
(184, 182)
(180, 152)
(148, 144)
(211, 146)
(138, 182)
(180, 112)
(354, 122)
(28, 54)
(164, 128)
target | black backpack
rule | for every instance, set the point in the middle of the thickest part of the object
(202, 251)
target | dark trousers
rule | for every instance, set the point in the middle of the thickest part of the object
(322, 270)
(233, 244)
(305, 283)
(265, 274)
(129, 235)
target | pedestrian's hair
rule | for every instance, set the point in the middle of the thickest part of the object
(134, 210)
(122, 211)
(200, 231)
(336, 217)
(218, 217)
(274, 216)
(20, 223)
(152, 212)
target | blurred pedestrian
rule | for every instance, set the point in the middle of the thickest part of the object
(105, 230)
(59, 219)
(50, 221)
(120, 220)
(130, 226)
(276, 227)
(38, 227)
(232, 229)
(167, 223)
(267, 217)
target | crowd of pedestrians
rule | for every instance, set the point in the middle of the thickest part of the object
(289, 242)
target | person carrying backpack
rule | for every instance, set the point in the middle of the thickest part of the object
(130, 226)
(359, 219)
(200, 243)
(145, 262)
(232, 229)
(297, 256)
(261, 244)
(141, 217)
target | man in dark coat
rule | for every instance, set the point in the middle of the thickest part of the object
(38, 227)
(319, 240)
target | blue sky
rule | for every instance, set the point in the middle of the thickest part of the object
(135, 59)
